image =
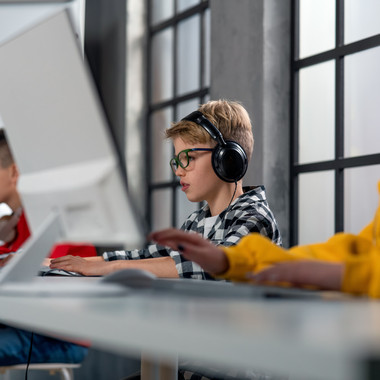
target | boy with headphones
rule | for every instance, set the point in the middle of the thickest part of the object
(212, 148)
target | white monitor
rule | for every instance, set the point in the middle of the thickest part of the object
(19, 15)
(60, 139)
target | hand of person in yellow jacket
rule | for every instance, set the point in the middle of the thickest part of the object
(194, 247)
(321, 274)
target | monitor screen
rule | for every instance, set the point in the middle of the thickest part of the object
(60, 139)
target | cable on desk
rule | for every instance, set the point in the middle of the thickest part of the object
(29, 356)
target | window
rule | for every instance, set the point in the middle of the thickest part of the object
(335, 161)
(179, 80)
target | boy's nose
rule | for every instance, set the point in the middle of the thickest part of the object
(180, 171)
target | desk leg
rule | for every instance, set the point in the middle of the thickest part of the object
(158, 368)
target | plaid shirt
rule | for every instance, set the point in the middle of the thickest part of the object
(248, 213)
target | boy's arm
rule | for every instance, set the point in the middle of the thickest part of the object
(96, 266)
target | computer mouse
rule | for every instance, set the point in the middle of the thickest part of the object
(131, 277)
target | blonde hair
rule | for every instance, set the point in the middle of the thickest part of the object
(230, 117)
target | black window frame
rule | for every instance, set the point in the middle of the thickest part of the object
(339, 163)
(200, 95)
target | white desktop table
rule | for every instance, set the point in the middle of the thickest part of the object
(302, 338)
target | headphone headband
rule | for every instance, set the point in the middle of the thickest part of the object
(197, 117)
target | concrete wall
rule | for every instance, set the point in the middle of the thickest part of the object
(105, 48)
(250, 62)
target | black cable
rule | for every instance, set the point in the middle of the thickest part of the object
(29, 356)
(233, 195)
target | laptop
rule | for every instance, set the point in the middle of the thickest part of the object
(19, 277)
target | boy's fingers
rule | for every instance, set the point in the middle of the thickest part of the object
(62, 259)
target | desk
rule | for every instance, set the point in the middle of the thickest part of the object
(307, 339)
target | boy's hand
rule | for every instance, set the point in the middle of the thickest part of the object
(5, 260)
(195, 248)
(8, 225)
(80, 265)
(323, 275)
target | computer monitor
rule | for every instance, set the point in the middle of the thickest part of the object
(17, 16)
(70, 171)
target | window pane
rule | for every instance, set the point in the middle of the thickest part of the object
(185, 4)
(317, 26)
(184, 207)
(162, 10)
(207, 48)
(317, 113)
(188, 55)
(362, 100)
(162, 209)
(360, 196)
(162, 150)
(185, 108)
(316, 207)
(162, 66)
(361, 19)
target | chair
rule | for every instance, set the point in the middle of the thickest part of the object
(64, 369)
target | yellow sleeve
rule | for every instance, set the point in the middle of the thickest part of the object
(249, 254)
(359, 275)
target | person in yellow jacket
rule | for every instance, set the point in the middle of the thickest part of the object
(346, 262)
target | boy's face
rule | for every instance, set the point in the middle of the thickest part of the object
(198, 180)
(8, 182)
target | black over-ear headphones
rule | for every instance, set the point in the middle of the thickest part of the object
(229, 159)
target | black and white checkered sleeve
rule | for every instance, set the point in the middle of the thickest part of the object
(153, 250)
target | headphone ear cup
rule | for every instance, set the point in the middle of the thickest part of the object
(229, 161)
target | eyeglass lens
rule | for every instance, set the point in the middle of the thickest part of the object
(181, 160)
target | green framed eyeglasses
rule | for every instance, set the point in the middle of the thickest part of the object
(182, 159)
